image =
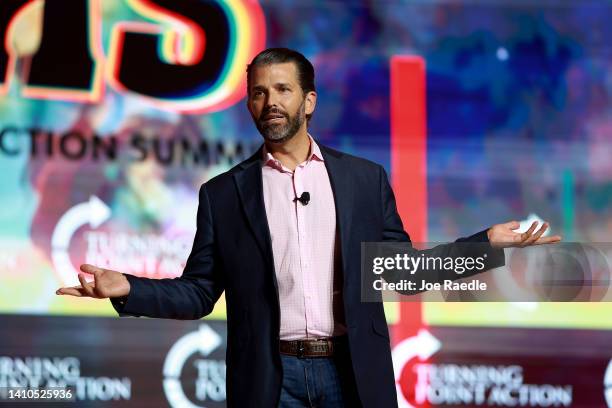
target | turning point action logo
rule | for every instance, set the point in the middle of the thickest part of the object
(423, 383)
(153, 255)
(210, 380)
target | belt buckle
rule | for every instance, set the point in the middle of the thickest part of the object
(300, 349)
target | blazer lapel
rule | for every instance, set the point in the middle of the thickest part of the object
(339, 176)
(250, 189)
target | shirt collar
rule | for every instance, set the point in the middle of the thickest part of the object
(269, 160)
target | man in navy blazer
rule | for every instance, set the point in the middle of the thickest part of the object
(233, 252)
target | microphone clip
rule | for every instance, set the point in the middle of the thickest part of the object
(304, 198)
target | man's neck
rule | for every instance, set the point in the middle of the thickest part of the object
(292, 152)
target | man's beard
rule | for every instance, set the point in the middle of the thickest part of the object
(279, 133)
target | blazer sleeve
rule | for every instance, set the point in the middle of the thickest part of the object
(393, 231)
(190, 296)
(393, 228)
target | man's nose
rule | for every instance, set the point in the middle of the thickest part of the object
(271, 100)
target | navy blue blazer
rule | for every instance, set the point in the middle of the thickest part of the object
(232, 252)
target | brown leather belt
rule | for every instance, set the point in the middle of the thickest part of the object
(313, 348)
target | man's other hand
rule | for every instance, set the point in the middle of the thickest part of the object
(106, 284)
(504, 236)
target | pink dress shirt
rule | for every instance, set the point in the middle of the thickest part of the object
(304, 247)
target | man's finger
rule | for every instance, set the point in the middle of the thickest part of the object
(90, 269)
(74, 291)
(548, 240)
(537, 235)
(87, 287)
(525, 235)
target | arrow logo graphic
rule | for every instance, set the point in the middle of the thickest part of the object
(93, 212)
(205, 340)
(423, 346)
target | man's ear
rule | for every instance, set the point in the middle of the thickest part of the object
(310, 102)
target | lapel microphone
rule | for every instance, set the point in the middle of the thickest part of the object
(304, 198)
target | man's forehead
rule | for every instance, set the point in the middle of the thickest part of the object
(277, 72)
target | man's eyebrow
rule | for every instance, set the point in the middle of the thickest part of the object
(276, 85)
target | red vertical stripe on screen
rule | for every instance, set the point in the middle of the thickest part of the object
(409, 165)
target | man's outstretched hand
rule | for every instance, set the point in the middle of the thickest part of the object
(504, 236)
(106, 284)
